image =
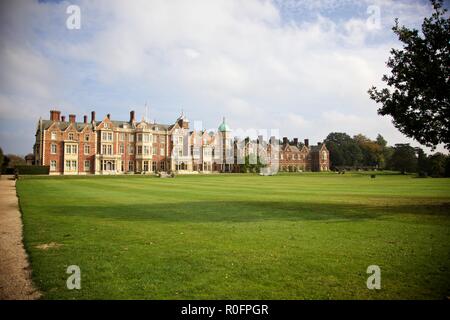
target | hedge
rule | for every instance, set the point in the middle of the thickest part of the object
(8, 171)
(33, 169)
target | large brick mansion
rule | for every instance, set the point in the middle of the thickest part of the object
(108, 146)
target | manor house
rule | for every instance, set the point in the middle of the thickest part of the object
(107, 146)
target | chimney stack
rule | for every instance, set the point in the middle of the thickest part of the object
(296, 141)
(92, 116)
(260, 139)
(132, 116)
(63, 118)
(108, 116)
(285, 140)
(72, 118)
(85, 118)
(307, 142)
(54, 115)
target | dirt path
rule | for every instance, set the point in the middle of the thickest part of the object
(15, 281)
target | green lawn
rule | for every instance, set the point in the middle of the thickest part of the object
(300, 236)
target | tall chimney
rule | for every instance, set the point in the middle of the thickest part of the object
(296, 141)
(108, 116)
(92, 116)
(285, 140)
(132, 116)
(260, 139)
(72, 118)
(85, 118)
(63, 118)
(307, 142)
(54, 115)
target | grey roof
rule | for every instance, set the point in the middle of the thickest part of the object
(80, 125)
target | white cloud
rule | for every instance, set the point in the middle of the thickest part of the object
(214, 58)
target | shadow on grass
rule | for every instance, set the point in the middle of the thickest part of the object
(247, 211)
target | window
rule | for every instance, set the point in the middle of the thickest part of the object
(122, 136)
(139, 137)
(87, 149)
(146, 139)
(53, 165)
(87, 165)
(121, 149)
(131, 137)
(106, 149)
(74, 149)
(154, 167)
(106, 125)
(130, 166)
(196, 151)
(162, 165)
(74, 165)
(86, 137)
(110, 136)
(53, 135)
(71, 136)
(155, 139)
(53, 148)
(154, 151)
(131, 149)
(180, 153)
(139, 150)
(324, 155)
(161, 151)
(180, 140)
(68, 149)
(67, 164)
(145, 165)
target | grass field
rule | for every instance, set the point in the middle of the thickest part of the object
(303, 236)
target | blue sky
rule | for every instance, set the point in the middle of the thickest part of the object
(302, 67)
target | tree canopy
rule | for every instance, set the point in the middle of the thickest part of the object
(417, 97)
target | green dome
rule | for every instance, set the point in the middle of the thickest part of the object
(224, 127)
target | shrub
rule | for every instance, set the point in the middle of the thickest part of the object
(32, 170)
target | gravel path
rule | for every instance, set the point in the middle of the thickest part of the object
(15, 275)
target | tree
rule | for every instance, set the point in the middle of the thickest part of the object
(404, 158)
(344, 151)
(12, 160)
(419, 84)
(386, 151)
(436, 165)
(371, 150)
(422, 163)
(1, 157)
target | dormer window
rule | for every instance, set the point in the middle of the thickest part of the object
(53, 135)
(106, 125)
(71, 136)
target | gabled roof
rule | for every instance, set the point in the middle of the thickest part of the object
(79, 126)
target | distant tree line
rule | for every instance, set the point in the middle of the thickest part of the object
(360, 152)
(8, 162)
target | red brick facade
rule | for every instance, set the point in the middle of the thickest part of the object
(114, 147)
